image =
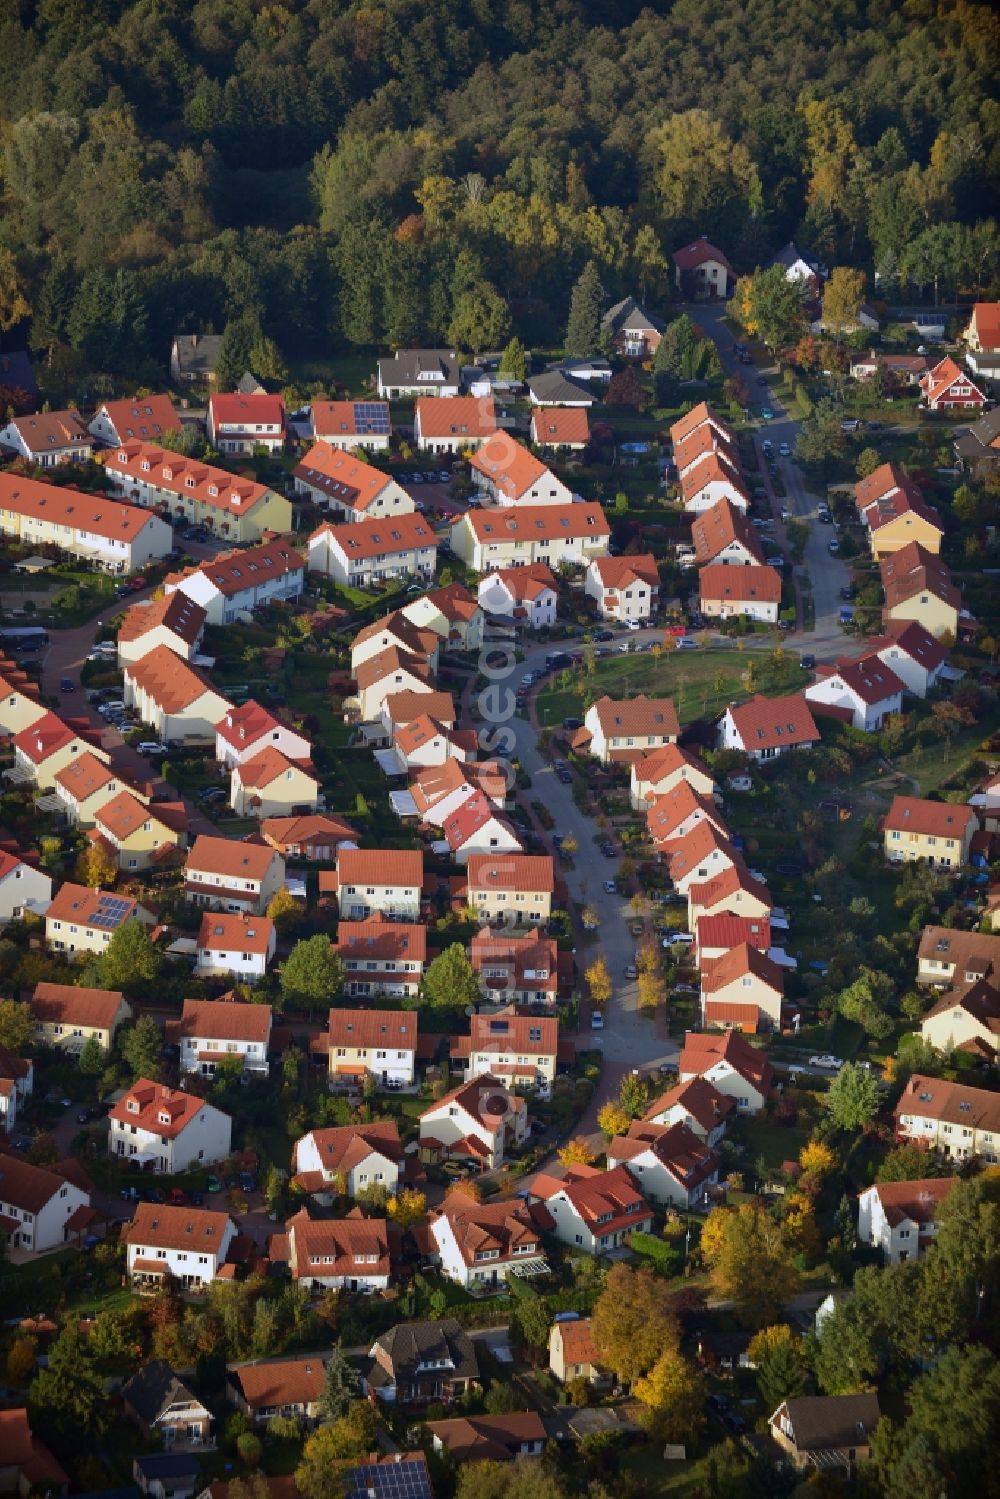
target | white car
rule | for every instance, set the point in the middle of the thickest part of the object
(827, 1060)
(596, 1020)
(785, 450)
(679, 939)
(151, 747)
(632, 624)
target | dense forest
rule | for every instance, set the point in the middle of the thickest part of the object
(338, 174)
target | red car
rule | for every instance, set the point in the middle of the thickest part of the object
(177, 1197)
(677, 630)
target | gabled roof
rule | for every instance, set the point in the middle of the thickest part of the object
(174, 611)
(945, 374)
(637, 717)
(342, 477)
(402, 708)
(537, 522)
(63, 506)
(910, 637)
(269, 766)
(312, 828)
(476, 1439)
(394, 1029)
(488, 1225)
(868, 678)
(157, 1226)
(630, 314)
(69, 1004)
(345, 1146)
(595, 1195)
(280, 1382)
(215, 487)
(197, 353)
(44, 738)
(124, 814)
(397, 629)
(381, 940)
(475, 813)
(725, 886)
(246, 724)
(233, 573)
(556, 386)
(351, 419)
(483, 1097)
(913, 1201)
(380, 866)
(387, 663)
(84, 775)
(48, 431)
(411, 1345)
(742, 961)
(986, 318)
(154, 1388)
(981, 1002)
(717, 583)
(172, 683)
(455, 416)
(703, 1050)
(235, 931)
(912, 570)
(26, 1186)
(147, 418)
(525, 872)
(697, 253)
(772, 723)
(669, 809)
(331, 1248)
(831, 1422)
(622, 572)
(508, 465)
(224, 1020)
(699, 1098)
(525, 584)
(949, 1103)
(664, 761)
(229, 858)
(685, 854)
(712, 468)
(975, 953)
(364, 539)
(156, 1109)
(677, 1148)
(86, 907)
(728, 930)
(683, 427)
(507, 1032)
(246, 411)
(577, 1341)
(555, 425)
(406, 366)
(717, 528)
(915, 814)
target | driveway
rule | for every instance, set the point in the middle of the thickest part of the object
(827, 574)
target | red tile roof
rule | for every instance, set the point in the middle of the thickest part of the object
(914, 814)
(246, 412)
(467, 821)
(170, 681)
(596, 1195)
(677, 1148)
(511, 872)
(224, 1020)
(869, 678)
(350, 418)
(577, 1341)
(81, 905)
(68, 1004)
(269, 766)
(703, 1050)
(44, 738)
(914, 570)
(718, 583)
(494, 1225)
(910, 637)
(553, 426)
(717, 528)
(244, 725)
(174, 611)
(48, 431)
(695, 254)
(404, 707)
(727, 885)
(945, 374)
(773, 723)
(147, 418)
(455, 416)
(986, 318)
(382, 940)
(537, 522)
(525, 584)
(713, 468)
(342, 477)
(156, 1109)
(508, 1033)
(327, 1249)
(343, 1147)
(621, 572)
(913, 1201)
(365, 1029)
(705, 439)
(699, 1098)
(146, 464)
(280, 1382)
(314, 829)
(233, 573)
(364, 539)
(156, 1226)
(392, 867)
(124, 815)
(949, 1103)
(231, 859)
(728, 930)
(683, 427)
(739, 962)
(235, 932)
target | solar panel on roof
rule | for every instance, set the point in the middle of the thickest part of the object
(372, 418)
(406, 1479)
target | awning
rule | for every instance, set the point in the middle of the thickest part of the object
(402, 803)
(524, 1269)
(388, 761)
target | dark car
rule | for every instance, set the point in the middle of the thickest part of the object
(848, 592)
(248, 1182)
(789, 867)
(66, 684)
(603, 635)
(807, 661)
(572, 723)
(565, 776)
(608, 850)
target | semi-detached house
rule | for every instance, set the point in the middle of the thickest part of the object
(239, 946)
(382, 956)
(511, 889)
(734, 1068)
(211, 1031)
(147, 418)
(516, 969)
(900, 1217)
(240, 423)
(480, 1244)
(343, 1254)
(139, 835)
(594, 1210)
(451, 424)
(188, 1244)
(707, 438)
(42, 1207)
(624, 729)
(950, 958)
(166, 1130)
(86, 784)
(368, 880)
(913, 654)
(81, 921)
(956, 1120)
(529, 593)
(661, 770)
(48, 438)
(380, 1042)
(228, 876)
(521, 1050)
(711, 479)
(176, 699)
(370, 551)
(512, 476)
(245, 732)
(352, 424)
(174, 620)
(918, 586)
(864, 692)
(742, 990)
(237, 583)
(350, 488)
(189, 490)
(271, 785)
(117, 537)
(935, 833)
(752, 592)
(556, 533)
(48, 747)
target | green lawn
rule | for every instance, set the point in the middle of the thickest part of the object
(931, 767)
(701, 683)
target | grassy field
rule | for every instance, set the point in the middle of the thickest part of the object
(701, 682)
(933, 766)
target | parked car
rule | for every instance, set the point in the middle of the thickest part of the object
(785, 450)
(610, 888)
(603, 635)
(213, 1183)
(632, 624)
(151, 747)
(248, 1182)
(807, 661)
(178, 1197)
(66, 684)
(571, 724)
(833, 546)
(608, 850)
(827, 1060)
(687, 643)
(631, 972)
(596, 1020)
(679, 939)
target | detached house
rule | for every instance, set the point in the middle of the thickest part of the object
(228, 876)
(189, 1244)
(501, 1439)
(164, 1408)
(982, 340)
(898, 1217)
(174, 621)
(48, 747)
(417, 1362)
(742, 990)
(735, 1069)
(947, 387)
(480, 1244)
(315, 838)
(419, 372)
(730, 592)
(862, 692)
(348, 486)
(247, 731)
(213, 1031)
(634, 333)
(572, 1354)
(146, 418)
(167, 1130)
(624, 730)
(767, 727)
(234, 584)
(367, 880)
(80, 920)
(521, 1050)
(669, 1163)
(950, 958)
(278, 1387)
(935, 833)
(832, 1432)
(527, 594)
(382, 957)
(555, 533)
(702, 273)
(479, 1121)
(698, 1105)
(560, 428)
(625, 588)
(240, 423)
(139, 835)
(270, 785)
(967, 1021)
(348, 1159)
(913, 653)
(370, 551)
(453, 424)
(116, 537)
(66, 1015)
(193, 357)
(48, 438)
(662, 770)
(513, 476)
(43, 1207)
(512, 889)
(176, 699)
(344, 1254)
(956, 1120)
(594, 1210)
(352, 424)
(380, 1042)
(196, 492)
(241, 947)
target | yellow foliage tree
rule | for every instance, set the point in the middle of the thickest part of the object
(750, 1261)
(599, 982)
(408, 1207)
(576, 1153)
(21, 1360)
(842, 298)
(285, 911)
(613, 1119)
(799, 1223)
(97, 866)
(651, 990)
(672, 1396)
(817, 1158)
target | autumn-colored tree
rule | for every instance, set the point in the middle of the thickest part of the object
(97, 866)
(633, 1323)
(842, 298)
(407, 1207)
(750, 1261)
(633, 1095)
(817, 1157)
(651, 990)
(599, 982)
(672, 1395)
(576, 1152)
(612, 1118)
(780, 1360)
(799, 1225)
(21, 1360)
(569, 845)
(285, 911)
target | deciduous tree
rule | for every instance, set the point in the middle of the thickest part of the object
(407, 1207)
(599, 981)
(131, 960)
(633, 1323)
(97, 866)
(672, 1395)
(612, 1118)
(852, 1097)
(142, 1048)
(842, 299)
(576, 1152)
(16, 1025)
(750, 1262)
(313, 973)
(450, 981)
